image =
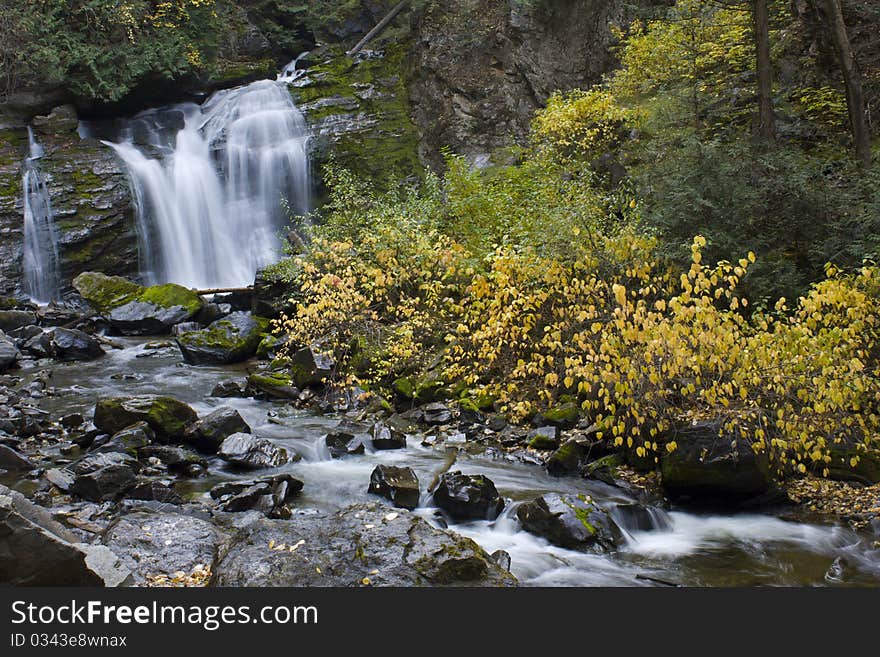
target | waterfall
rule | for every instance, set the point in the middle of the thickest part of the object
(40, 238)
(211, 208)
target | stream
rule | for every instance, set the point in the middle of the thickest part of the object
(743, 549)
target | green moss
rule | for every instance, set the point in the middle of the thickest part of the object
(106, 292)
(542, 442)
(404, 387)
(171, 295)
(564, 415)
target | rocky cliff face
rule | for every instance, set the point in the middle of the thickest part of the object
(89, 195)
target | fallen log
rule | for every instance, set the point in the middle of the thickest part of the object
(376, 31)
(225, 290)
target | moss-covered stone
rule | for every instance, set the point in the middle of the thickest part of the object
(564, 415)
(232, 339)
(849, 463)
(171, 295)
(106, 292)
(273, 384)
(167, 416)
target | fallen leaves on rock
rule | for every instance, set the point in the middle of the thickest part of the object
(198, 577)
(854, 503)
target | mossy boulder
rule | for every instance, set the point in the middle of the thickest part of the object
(274, 384)
(232, 339)
(712, 463)
(564, 416)
(136, 310)
(166, 416)
(310, 366)
(570, 521)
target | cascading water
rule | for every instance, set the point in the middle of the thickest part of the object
(211, 210)
(40, 238)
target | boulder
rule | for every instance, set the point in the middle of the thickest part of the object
(544, 438)
(36, 550)
(227, 389)
(308, 366)
(274, 384)
(168, 417)
(569, 521)
(11, 320)
(436, 413)
(152, 544)
(9, 353)
(10, 459)
(135, 310)
(208, 434)
(245, 451)
(346, 438)
(128, 441)
(39, 346)
(72, 344)
(844, 453)
(176, 459)
(269, 495)
(712, 463)
(573, 453)
(385, 437)
(360, 545)
(468, 497)
(232, 339)
(564, 416)
(400, 485)
(155, 491)
(102, 477)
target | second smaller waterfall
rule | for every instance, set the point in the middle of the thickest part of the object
(40, 237)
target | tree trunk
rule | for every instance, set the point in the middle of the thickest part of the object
(852, 79)
(765, 122)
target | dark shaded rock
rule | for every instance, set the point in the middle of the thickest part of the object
(573, 453)
(569, 521)
(163, 543)
(400, 485)
(72, 344)
(384, 437)
(103, 477)
(347, 438)
(544, 438)
(11, 320)
(168, 417)
(564, 416)
(245, 451)
(13, 460)
(146, 318)
(185, 327)
(271, 295)
(468, 496)
(72, 420)
(209, 313)
(226, 389)
(269, 495)
(436, 413)
(638, 517)
(209, 433)
(36, 550)
(176, 459)
(232, 339)
(128, 441)
(844, 453)
(155, 491)
(39, 346)
(309, 366)
(358, 542)
(712, 463)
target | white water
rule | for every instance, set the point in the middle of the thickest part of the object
(211, 211)
(40, 238)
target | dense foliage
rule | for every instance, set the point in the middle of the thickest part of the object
(99, 49)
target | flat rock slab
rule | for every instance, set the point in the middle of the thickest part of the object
(364, 544)
(163, 543)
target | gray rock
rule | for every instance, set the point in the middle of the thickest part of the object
(400, 485)
(146, 318)
(39, 346)
(228, 389)
(246, 451)
(11, 320)
(209, 433)
(9, 353)
(544, 438)
(13, 460)
(163, 543)
(155, 491)
(101, 477)
(128, 441)
(468, 496)
(71, 345)
(436, 413)
(347, 438)
(268, 495)
(176, 459)
(569, 521)
(384, 437)
(232, 339)
(361, 544)
(62, 478)
(36, 550)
